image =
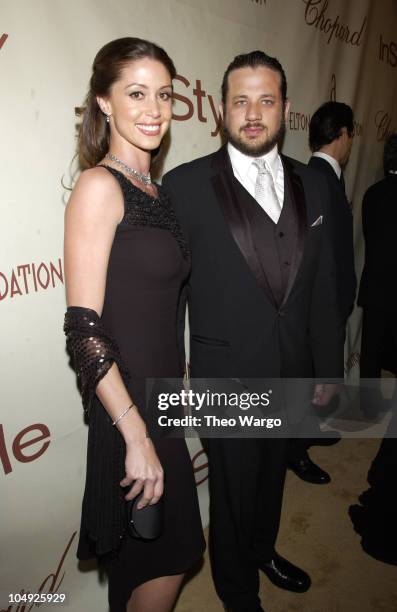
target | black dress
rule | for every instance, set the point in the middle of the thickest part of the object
(148, 264)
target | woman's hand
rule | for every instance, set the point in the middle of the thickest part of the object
(143, 469)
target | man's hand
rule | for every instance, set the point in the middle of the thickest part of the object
(323, 394)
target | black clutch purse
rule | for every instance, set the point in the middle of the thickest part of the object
(146, 523)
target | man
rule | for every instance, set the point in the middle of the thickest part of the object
(330, 139)
(378, 292)
(262, 304)
(374, 518)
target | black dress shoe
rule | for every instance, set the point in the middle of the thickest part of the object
(286, 575)
(309, 471)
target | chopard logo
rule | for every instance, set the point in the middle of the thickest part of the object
(383, 121)
(316, 15)
(261, 2)
(3, 38)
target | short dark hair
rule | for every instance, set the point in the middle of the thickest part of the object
(326, 124)
(253, 60)
(390, 153)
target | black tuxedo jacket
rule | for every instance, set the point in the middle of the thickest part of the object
(236, 330)
(341, 233)
(379, 216)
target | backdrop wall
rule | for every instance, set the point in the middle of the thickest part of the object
(330, 49)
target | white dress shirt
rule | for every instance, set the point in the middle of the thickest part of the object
(330, 160)
(246, 172)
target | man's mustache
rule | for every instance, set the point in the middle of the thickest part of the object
(255, 124)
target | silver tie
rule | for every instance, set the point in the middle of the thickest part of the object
(265, 191)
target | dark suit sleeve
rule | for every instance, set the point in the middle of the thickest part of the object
(340, 228)
(341, 234)
(327, 329)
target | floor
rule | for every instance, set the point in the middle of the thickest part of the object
(316, 533)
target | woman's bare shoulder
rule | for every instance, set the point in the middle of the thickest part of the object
(97, 193)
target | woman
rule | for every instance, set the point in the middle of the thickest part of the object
(125, 262)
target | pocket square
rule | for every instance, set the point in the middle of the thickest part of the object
(317, 222)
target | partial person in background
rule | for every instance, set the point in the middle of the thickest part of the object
(378, 287)
(374, 518)
(125, 262)
(330, 140)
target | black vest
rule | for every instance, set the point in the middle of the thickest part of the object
(275, 244)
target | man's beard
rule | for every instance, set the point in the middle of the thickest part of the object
(255, 149)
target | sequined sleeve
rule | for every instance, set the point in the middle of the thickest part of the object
(92, 350)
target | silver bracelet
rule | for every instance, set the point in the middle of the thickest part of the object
(123, 414)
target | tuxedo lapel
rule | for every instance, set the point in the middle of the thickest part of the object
(293, 182)
(236, 218)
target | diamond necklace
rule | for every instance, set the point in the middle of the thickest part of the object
(144, 178)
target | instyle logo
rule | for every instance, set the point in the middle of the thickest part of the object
(29, 277)
(194, 102)
(36, 436)
(200, 94)
(383, 125)
(316, 15)
(50, 583)
(3, 38)
(388, 52)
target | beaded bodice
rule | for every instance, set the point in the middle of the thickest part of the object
(141, 209)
